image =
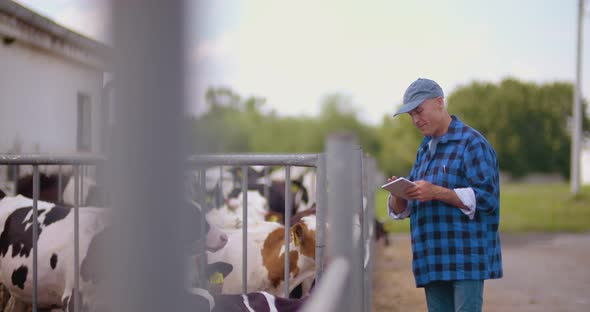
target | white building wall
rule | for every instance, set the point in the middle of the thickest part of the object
(38, 99)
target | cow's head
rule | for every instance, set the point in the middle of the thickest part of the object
(301, 253)
(304, 236)
(215, 239)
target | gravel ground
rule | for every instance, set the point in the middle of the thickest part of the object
(542, 272)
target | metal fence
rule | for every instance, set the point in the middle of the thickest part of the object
(343, 191)
(78, 164)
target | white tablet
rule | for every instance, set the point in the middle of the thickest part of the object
(398, 187)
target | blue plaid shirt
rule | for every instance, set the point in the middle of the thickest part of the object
(446, 244)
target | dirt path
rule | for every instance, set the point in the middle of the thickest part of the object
(542, 272)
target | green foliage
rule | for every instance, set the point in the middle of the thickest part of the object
(526, 123)
(399, 143)
(524, 208)
(234, 125)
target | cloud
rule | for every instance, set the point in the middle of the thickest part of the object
(220, 49)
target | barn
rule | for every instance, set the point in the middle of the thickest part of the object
(51, 86)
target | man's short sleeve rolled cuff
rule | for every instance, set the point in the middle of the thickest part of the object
(402, 215)
(467, 197)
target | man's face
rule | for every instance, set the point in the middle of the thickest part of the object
(427, 117)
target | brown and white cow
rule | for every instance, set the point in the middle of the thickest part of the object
(266, 256)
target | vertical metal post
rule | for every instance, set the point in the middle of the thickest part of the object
(321, 216)
(288, 204)
(59, 185)
(361, 251)
(370, 217)
(76, 297)
(35, 233)
(82, 181)
(16, 177)
(267, 183)
(148, 155)
(219, 197)
(201, 193)
(245, 229)
(365, 231)
(358, 247)
(342, 204)
(577, 109)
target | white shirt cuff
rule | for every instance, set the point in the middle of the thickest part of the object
(402, 215)
(467, 197)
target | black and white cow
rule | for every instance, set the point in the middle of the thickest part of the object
(211, 300)
(254, 301)
(56, 250)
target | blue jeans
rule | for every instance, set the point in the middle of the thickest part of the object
(454, 296)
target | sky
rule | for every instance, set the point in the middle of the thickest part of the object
(295, 53)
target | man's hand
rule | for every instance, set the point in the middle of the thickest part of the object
(424, 191)
(391, 179)
(396, 204)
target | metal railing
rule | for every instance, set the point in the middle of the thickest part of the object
(78, 162)
(342, 183)
(287, 160)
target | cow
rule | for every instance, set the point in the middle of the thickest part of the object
(211, 300)
(380, 232)
(302, 189)
(48, 186)
(55, 250)
(90, 192)
(229, 216)
(226, 183)
(253, 301)
(54, 243)
(222, 183)
(266, 256)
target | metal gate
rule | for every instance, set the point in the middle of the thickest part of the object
(344, 189)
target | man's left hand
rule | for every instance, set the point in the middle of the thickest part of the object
(424, 191)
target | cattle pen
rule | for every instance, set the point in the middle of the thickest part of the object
(344, 188)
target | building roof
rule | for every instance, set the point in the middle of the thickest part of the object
(21, 23)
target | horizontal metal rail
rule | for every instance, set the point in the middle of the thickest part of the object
(48, 159)
(301, 160)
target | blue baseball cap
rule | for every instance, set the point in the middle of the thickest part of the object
(418, 92)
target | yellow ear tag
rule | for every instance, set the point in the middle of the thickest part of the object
(296, 239)
(294, 188)
(273, 219)
(216, 278)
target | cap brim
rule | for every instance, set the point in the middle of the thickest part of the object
(408, 107)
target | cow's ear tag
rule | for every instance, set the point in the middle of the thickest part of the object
(294, 188)
(296, 239)
(216, 278)
(273, 219)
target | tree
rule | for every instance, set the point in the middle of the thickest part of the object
(399, 142)
(526, 123)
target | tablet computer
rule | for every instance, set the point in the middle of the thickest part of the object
(398, 187)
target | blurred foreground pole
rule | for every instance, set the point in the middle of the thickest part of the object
(145, 170)
(343, 200)
(577, 111)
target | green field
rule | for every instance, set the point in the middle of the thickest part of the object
(525, 208)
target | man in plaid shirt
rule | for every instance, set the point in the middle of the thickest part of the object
(454, 208)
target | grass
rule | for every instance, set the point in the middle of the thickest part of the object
(525, 208)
